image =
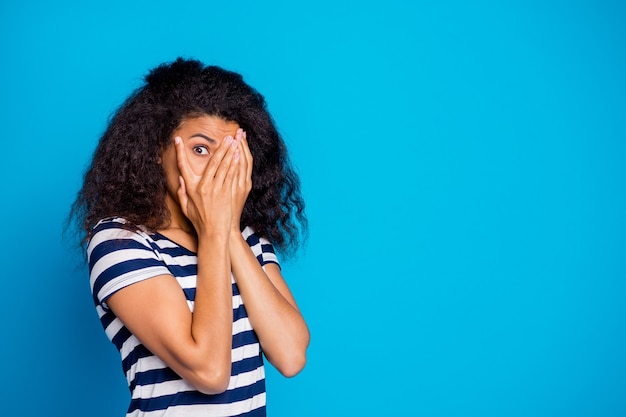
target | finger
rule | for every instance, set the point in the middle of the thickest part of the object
(222, 170)
(243, 164)
(181, 159)
(183, 198)
(233, 170)
(216, 159)
(248, 155)
(232, 174)
(236, 178)
(245, 179)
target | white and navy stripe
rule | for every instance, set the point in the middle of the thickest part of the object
(119, 257)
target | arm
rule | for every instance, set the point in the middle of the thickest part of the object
(271, 307)
(195, 345)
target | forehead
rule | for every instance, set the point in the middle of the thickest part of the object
(213, 126)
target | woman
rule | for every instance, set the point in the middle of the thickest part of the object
(181, 226)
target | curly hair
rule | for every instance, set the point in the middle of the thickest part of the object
(126, 180)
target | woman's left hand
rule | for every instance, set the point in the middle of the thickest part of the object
(271, 308)
(243, 182)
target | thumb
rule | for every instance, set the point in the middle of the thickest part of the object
(183, 198)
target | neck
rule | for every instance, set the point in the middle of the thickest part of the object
(179, 228)
(177, 220)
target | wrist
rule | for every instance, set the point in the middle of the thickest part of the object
(235, 233)
(214, 235)
(235, 227)
(236, 239)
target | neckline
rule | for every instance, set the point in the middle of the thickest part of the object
(162, 236)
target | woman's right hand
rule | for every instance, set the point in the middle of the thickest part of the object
(196, 343)
(206, 199)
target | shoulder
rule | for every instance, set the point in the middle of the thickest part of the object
(261, 247)
(117, 235)
(116, 228)
(119, 255)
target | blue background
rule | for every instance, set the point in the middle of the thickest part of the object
(463, 165)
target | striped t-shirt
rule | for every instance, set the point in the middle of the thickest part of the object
(119, 257)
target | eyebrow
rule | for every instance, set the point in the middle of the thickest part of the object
(203, 136)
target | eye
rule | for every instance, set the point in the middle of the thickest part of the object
(200, 150)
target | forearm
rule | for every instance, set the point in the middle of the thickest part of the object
(211, 325)
(271, 308)
(196, 345)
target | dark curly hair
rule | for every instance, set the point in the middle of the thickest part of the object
(126, 180)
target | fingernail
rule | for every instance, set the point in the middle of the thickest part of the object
(228, 139)
(177, 140)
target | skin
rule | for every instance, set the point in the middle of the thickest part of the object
(208, 170)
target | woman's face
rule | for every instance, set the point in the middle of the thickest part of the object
(200, 136)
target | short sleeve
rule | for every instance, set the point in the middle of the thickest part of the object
(261, 247)
(118, 258)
